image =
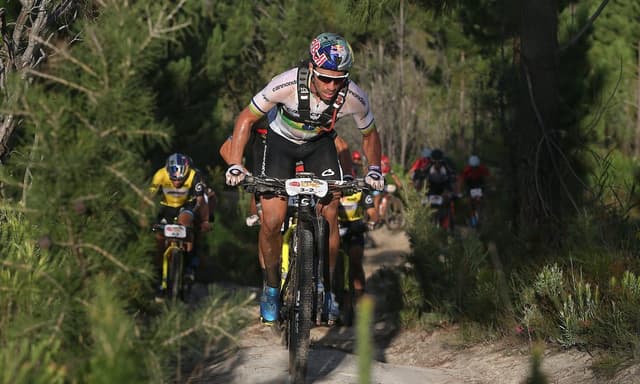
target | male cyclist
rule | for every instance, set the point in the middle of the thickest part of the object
(441, 184)
(473, 179)
(183, 201)
(418, 170)
(309, 100)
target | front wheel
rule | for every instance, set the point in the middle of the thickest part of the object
(175, 274)
(300, 318)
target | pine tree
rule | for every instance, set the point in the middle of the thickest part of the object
(74, 182)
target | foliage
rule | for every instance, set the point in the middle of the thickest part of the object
(146, 79)
(76, 276)
(453, 273)
(537, 376)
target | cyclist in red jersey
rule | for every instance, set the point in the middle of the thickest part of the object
(418, 170)
(473, 179)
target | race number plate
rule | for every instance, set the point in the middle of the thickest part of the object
(435, 199)
(308, 186)
(175, 231)
(475, 192)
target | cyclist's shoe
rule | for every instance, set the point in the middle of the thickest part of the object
(270, 305)
(252, 220)
(332, 308)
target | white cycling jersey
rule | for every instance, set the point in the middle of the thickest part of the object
(283, 90)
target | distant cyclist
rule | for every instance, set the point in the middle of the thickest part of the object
(473, 180)
(441, 188)
(418, 170)
(183, 201)
(440, 175)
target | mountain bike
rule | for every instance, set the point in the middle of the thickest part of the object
(305, 264)
(443, 209)
(172, 279)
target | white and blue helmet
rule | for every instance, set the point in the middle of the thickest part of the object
(331, 51)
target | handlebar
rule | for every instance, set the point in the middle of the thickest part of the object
(265, 184)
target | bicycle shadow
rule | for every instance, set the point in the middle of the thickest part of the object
(383, 284)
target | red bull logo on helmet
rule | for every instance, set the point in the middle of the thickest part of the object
(317, 57)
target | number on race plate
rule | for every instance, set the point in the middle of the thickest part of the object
(307, 186)
(175, 231)
(435, 199)
(475, 192)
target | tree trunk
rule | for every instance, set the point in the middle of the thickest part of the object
(537, 175)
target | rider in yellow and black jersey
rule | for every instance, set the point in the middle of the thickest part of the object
(177, 196)
(183, 201)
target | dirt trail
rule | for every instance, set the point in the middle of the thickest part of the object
(402, 356)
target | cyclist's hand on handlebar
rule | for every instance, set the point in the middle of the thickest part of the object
(235, 174)
(374, 178)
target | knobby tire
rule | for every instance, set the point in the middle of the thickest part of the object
(175, 274)
(300, 318)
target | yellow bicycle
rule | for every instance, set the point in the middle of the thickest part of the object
(304, 259)
(172, 279)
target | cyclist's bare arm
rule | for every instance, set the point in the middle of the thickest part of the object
(225, 151)
(241, 134)
(371, 147)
